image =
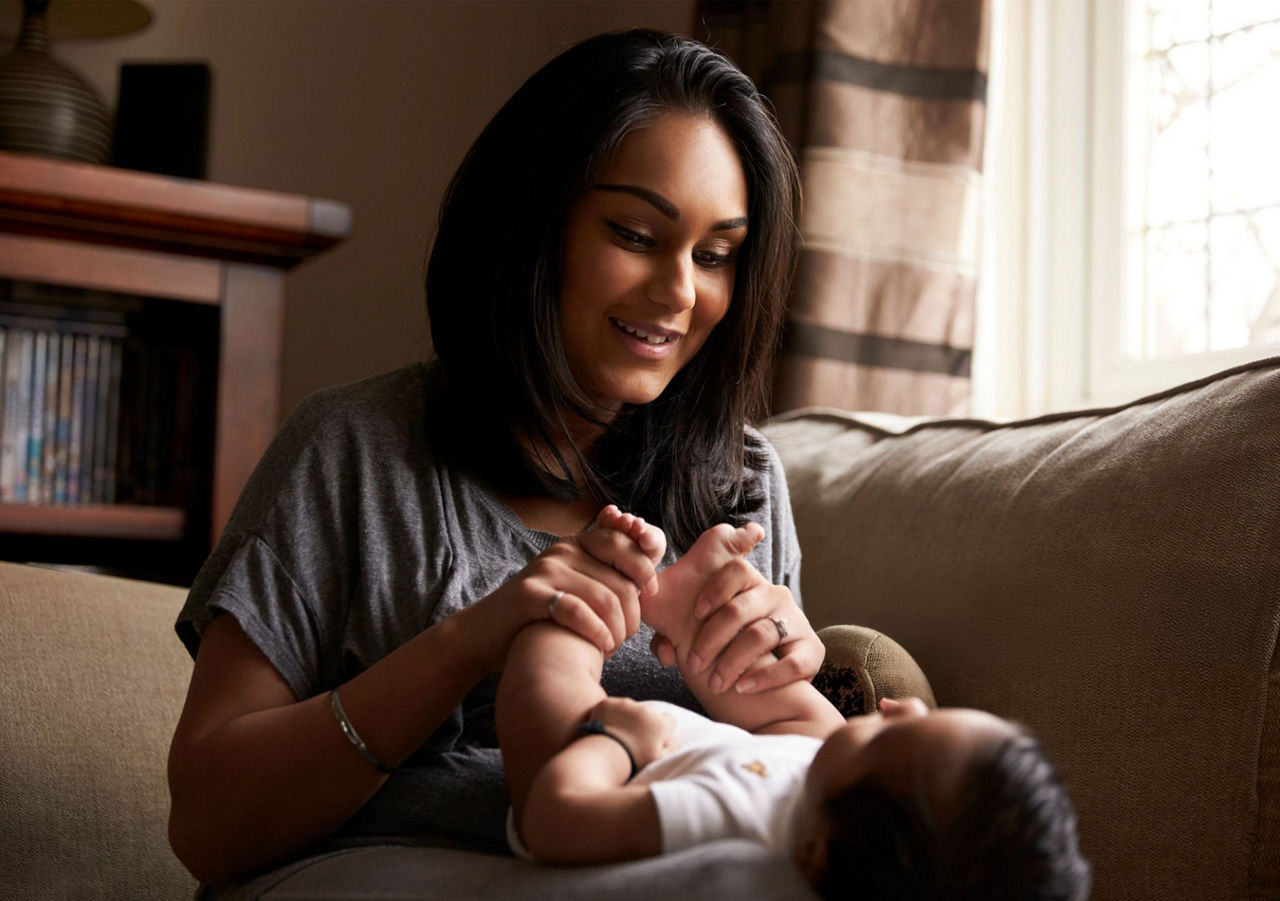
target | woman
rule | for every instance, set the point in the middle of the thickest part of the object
(605, 292)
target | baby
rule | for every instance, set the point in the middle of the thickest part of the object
(906, 802)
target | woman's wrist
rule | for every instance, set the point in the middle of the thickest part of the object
(461, 631)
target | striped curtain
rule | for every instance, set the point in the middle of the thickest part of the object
(884, 103)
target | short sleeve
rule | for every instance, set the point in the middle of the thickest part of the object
(278, 568)
(255, 588)
(691, 812)
(337, 549)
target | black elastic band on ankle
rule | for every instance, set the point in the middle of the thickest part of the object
(595, 727)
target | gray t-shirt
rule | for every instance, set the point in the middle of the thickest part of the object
(352, 536)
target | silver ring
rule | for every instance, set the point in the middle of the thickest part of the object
(551, 608)
(781, 625)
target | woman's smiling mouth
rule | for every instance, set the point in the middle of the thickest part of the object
(649, 341)
(650, 333)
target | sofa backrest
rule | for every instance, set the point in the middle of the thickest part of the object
(92, 679)
(1109, 577)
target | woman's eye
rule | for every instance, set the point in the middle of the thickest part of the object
(712, 259)
(629, 237)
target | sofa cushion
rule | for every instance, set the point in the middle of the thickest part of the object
(91, 684)
(726, 870)
(1110, 577)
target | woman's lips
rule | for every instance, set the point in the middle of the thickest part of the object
(629, 333)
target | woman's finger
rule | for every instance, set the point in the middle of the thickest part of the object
(620, 551)
(751, 644)
(741, 598)
(796, 660)
(579, 617)
(662, 649)
(600, 588)
(614, 597)
(614, 551)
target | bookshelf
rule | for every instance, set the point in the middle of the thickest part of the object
(180, 285)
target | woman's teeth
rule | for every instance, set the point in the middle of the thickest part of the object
(644, 336)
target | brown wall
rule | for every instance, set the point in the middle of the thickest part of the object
(373, 103)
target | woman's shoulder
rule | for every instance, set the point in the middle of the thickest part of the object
(382, 414)
(762, 460)
(399, 395)
(338, 439)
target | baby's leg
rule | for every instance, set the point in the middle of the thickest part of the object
(550, 682)
(671, 611)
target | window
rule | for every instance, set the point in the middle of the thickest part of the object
(1135, 225)
(1202, 124)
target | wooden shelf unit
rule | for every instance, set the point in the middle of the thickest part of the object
(178, 242)
(127, 521)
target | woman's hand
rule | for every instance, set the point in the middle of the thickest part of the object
(742, 619)
(590, 583)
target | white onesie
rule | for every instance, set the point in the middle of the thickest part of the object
(722, 782)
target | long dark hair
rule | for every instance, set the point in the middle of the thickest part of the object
(493, 288)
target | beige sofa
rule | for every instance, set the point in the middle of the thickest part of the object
(1110, 578)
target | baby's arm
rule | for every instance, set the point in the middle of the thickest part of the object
(550, 680)
(580, 808)
(794, 708)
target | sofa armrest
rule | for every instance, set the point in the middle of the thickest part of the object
(92, 679)
(862, 666)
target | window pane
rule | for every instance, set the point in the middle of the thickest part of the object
(1203, 252)
(1178, 179)
(1176, 262)
(1264, 324)
(1242, 280)
(1229, 15)
(1245, 140)
(1177, 22)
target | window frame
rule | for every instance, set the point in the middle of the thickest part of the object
(1052, 289)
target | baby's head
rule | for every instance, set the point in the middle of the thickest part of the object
(914, 803)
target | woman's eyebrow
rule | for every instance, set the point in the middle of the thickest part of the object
(666, 207)
(660, 203)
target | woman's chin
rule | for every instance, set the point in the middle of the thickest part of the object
(636, 392)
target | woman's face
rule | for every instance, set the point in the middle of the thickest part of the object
(649, 257)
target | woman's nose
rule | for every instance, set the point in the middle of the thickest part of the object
(672, 285)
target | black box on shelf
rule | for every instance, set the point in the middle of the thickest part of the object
(162, 118)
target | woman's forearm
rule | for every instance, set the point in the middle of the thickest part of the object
(251, 790)
(797, 707)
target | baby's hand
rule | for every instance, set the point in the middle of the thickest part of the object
(646, 731)
(650, 539)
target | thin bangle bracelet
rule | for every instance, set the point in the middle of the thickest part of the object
(595, 727)
(352, 736)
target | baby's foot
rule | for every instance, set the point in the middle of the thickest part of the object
(650, 539)
(680, 583)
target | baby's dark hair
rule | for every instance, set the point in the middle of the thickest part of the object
(1013, 836)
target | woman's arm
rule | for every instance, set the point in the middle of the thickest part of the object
(257, 776)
